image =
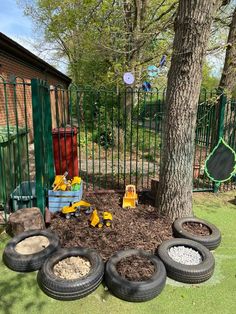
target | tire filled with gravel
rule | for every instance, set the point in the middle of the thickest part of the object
(63, 284)
(186, 260)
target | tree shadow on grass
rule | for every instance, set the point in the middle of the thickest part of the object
(19, 292)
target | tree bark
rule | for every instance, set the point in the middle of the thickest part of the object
(228, 77)
(192, 29)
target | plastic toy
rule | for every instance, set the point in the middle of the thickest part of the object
(59, 182)
(107, 218)
(96, 222)
(130, 199)
(62, 184)
(74, 209)
(75, 184)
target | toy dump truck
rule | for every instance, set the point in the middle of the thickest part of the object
(74, 209)
(95, 221)
(130, 199)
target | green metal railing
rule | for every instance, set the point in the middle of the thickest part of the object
(119, 137)
(16, 152)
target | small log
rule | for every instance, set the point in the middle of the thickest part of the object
(154, 186)
(25, 219)
(47, 216)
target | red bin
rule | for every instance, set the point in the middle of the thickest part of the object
(65, 151)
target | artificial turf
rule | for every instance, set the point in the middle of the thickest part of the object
(19, 292)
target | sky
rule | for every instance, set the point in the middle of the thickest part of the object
(18, 27)
(12, 21)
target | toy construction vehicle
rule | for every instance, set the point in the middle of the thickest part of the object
(130, 199)
(62, 184)
(74, 209)
(96, 222)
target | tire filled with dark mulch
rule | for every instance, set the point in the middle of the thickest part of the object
(198, 230)
(29, 262)
(62, 289)
(187, 273)
(135, 275)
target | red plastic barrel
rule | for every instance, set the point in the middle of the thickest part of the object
(65, 151)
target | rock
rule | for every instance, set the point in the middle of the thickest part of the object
(25, 219)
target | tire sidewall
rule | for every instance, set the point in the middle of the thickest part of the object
(47, 277)
(10, 249)
(116, 279)
(210, 241)
(208, 261)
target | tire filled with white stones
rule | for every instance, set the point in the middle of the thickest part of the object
(186, 260)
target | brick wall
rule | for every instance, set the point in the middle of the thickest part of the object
(15, 99)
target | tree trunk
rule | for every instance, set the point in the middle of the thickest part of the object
(228, 77)
(192, 28)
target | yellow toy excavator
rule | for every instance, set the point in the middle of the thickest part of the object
(74, 209)
(96, 221)
(130, 199)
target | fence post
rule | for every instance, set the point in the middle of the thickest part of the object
(38, 147)
(47, 136)
(220, 129)
(43, 152)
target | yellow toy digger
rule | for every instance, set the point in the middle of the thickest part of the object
(130, 199)
(74, 209)
(95, 220)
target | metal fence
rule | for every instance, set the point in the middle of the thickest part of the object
(17, 171)
(119, 137)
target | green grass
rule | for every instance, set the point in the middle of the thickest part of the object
(20, 294)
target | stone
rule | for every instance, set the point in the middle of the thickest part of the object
(25, 219)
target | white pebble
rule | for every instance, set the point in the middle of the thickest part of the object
(185, 255)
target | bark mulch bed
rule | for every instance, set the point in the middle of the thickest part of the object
(141, 227)
(144, 268)
(196, 228)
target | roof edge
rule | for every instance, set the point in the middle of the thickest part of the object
(12, 47)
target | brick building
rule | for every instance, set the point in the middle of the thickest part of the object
(17, 67)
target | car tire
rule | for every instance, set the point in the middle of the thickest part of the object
(62, 289)
(135, 291)
(29, 262)
(187, 273)
(211, 241)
